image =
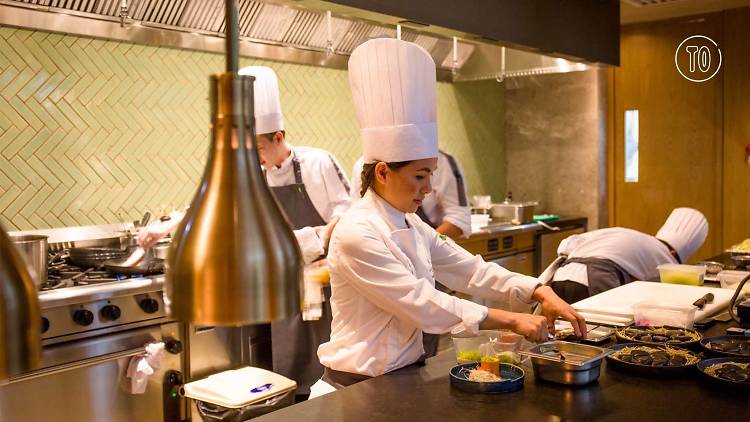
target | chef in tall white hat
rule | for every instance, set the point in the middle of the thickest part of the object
(599, 260)
(313, 192)
(384, 259)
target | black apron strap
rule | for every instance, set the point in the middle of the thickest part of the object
(459, 180)
(603, 274)
(425, 218)
(340, 173)
(297, 171)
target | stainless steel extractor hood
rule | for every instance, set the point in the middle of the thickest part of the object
(275, 30)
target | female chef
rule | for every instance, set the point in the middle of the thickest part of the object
(384, 259)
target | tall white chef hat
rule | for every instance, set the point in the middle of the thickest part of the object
(685, 230)
(268, 116)
(393, 85)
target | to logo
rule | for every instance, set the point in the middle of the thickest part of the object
(698, 58)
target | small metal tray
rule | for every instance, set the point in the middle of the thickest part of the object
(567, 363)
(513, 377)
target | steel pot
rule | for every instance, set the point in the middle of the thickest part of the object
(514, 212)
(95, 257)
(33, 248)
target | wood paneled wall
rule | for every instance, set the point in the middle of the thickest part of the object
(692, 135)
(736, 210)
(680, 130)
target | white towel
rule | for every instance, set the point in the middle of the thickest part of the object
(143, 365)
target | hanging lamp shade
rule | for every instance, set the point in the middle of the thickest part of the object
(20, 318)
(234, 258)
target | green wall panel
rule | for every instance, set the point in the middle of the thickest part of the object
(95, 131)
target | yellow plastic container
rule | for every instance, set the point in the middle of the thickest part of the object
(682, 274)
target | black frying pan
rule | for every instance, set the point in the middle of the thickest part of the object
(146, 266)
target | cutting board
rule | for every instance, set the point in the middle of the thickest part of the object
(614, 307)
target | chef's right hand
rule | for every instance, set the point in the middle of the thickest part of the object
(324, 232)
(533, 327)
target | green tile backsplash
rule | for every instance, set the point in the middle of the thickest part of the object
(92, 131)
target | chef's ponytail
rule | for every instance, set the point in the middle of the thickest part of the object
(368, 173)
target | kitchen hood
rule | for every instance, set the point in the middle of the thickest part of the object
(274, 30)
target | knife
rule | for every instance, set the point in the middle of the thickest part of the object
(707, 298)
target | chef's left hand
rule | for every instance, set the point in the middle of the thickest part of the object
(554, 307)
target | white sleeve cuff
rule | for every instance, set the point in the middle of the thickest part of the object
(473, 314)
(309, 243)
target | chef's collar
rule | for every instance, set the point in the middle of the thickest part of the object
(285, 165)
(394, 217)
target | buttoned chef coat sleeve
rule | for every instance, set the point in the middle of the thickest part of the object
(364, 261)
(451, 190)
(309, 243)
(336, 186)
(459, 270)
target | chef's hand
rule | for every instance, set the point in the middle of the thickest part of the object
(533, 327)
(324, 232)
(554, 307)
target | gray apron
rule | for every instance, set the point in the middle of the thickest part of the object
(603, 275)
(430, 341)
(295, 342)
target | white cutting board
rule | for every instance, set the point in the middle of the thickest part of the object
(615, 306)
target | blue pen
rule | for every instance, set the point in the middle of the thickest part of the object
(261, 388)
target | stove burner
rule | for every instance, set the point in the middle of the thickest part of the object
(61, 274)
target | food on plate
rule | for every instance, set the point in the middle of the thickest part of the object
(480, 375)
(739, 346)
(731, 371)
(656, 334)
(652, 356)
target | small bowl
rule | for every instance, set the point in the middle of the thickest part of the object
(513, 377)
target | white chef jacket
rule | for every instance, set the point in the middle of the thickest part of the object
(444, 203)
(383, 281)
(324, 180)
(637, 253)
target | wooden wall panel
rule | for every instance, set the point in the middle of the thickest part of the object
(736, 202)
(680, 130)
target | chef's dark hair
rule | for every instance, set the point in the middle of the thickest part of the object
(368, 173)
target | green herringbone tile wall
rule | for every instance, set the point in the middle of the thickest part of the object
(92, 130)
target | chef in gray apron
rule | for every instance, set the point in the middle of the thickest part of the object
(312, 191)
(446, 209)
(600, 260)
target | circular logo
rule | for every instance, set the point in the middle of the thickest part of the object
(698, 58)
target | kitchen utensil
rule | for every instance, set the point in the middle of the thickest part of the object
(33, 248)
(566, 363)
(514, 212)
(707, 298)
(145, 266)
(95, 256)
(513, 378)
(712, 267)
(643, 369)
(727, 346)
(708, 368)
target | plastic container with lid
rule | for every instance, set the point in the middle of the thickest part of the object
(682, 274)
(467, 347)
(654, 313)
(730, 279)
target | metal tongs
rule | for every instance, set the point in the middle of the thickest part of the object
(557, 356)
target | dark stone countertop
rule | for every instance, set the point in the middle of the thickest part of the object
(425, 394)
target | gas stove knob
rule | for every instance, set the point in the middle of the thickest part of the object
(110, 312)
(45, 325)
(83, 317)
(149, 305)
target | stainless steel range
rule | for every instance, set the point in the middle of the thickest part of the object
(93, 324)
